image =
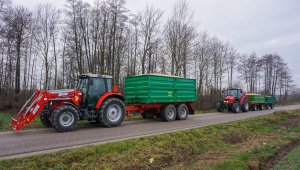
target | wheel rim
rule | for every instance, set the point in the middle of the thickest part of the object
(114, 113)
(170, 113)
(183, 112)
(66, 119)
(246, 106)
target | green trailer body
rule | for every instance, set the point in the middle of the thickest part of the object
(255, 98)
(270, 99)
(147, 89)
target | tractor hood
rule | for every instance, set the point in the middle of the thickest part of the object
(63, 92)
(229, 99)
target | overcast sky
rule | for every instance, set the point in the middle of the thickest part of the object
(261, 26)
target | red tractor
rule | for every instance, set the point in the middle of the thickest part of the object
(95, 99)
(234, 100)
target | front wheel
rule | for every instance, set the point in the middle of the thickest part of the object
(220, 106)
(112, 112)
(65, 118)
(45, 118)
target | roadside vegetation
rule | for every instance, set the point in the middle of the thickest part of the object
(290, 161)
(253, 143)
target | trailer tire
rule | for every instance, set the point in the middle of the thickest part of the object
(45, 118)
(65, 118)
(182, 112)
(168, 113)
(220, 106)
(272, 106)
(254, 108)
(261, 107)
(267, 106)
(235, 107)
(245, 106)
(112, 113)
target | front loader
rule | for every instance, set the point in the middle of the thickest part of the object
(94, 99)
(234, 100)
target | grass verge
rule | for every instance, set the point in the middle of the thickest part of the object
(290, 161)
(250, 143)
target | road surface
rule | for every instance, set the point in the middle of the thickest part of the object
(46, 140)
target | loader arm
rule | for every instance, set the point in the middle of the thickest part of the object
(31, 109)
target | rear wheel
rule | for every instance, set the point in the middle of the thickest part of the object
(236, 107)
(245, 106)
(45, 118)
(220, 106)
(65, 118)
(168, 113)
(182, 112)
(112, 112)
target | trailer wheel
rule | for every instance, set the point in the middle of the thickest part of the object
(65, 118)
(235, 107)
(272, 106)
(254, 108)
(168, 113)
(245, 106)
(45, 118)
(182, 112)
(261, 107)
(148, 114)
(267, 106)
(220, 106)
(112, 112)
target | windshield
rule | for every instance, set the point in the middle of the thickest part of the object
(231, 93)
(82, 84)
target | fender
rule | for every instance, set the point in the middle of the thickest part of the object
(243, 98)
(107, 95)
(71, 104)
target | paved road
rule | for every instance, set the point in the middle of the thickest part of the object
(32, 142)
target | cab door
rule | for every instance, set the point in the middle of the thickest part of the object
(96, 89)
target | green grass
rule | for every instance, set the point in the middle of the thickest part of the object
(290, 161)
(235, 145)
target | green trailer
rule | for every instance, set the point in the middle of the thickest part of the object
(257, 101)
(154, 95)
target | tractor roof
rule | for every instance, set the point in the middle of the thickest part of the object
(94, 76)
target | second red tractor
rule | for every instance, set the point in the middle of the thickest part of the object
(234, 100)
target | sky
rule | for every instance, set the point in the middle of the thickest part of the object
(260, 26)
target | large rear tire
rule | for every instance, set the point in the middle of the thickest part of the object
(245, 106)
(45, 118)
(112, 112)
(65, 118)
(182, 112)
(168, 113)
(235, 107)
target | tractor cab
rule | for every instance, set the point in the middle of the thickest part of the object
(233, 94)
(92, 87)
(234, 99)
